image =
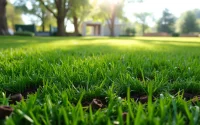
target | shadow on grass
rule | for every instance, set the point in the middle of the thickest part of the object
(7, 42)
(171, 42)
(102, 42)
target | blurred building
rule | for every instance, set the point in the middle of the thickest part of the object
(91, 28)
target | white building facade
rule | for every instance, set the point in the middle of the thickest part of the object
(99, 29)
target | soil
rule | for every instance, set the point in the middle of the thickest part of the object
(124, 115)
(188, 96)
(96, 103)
(29, 90)
(5, 111)
(143, 99)
(25, 93)
(15, 98)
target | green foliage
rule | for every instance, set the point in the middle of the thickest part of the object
(110, 12)
(130, 31)
(187, 23)
(105, 10)
(13, 16)
(79, 11)
(24, 33)
(139, 28)
(37, 13)
(175, 34)
(166, 23)
(142, 18)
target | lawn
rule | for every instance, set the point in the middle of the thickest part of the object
(95, 81)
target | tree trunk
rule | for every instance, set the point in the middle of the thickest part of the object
(61, 14)
(61, 26)
(143, 29)
(112, 27)
(112, 22)
(75, 19)
(43, 21)
(43, 27)
(3, 19)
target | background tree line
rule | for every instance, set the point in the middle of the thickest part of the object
(188, 22)
(56, 12)
(60, 10)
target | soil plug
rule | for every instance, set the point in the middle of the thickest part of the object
(16, 98)
(5, 111)
(96, 104)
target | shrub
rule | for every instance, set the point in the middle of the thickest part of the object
(159, 34)
(130, 31)
(54, 34)
(73, 34)
(126, 35)
(24, 33)
(175, 34)
(66, 34)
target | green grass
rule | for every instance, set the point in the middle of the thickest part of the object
(71, 71)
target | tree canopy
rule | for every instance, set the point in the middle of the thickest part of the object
(167, 22)
(142, 19)
(187, 23)
(14, 16)
(35, 9)
(78, 12)
(110, 11)
(59, 9)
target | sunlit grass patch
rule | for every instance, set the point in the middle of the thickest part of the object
(70, 72)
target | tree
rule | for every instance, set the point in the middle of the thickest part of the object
(197, 14)
(13, 16)
(142, 17)
(111, 11)
(167, 22)
(130, 31)
(59, 9)
(3, 19)
(187, 23)
(78, 12)
(36, 10)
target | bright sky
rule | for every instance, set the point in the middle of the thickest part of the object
(155, 7)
